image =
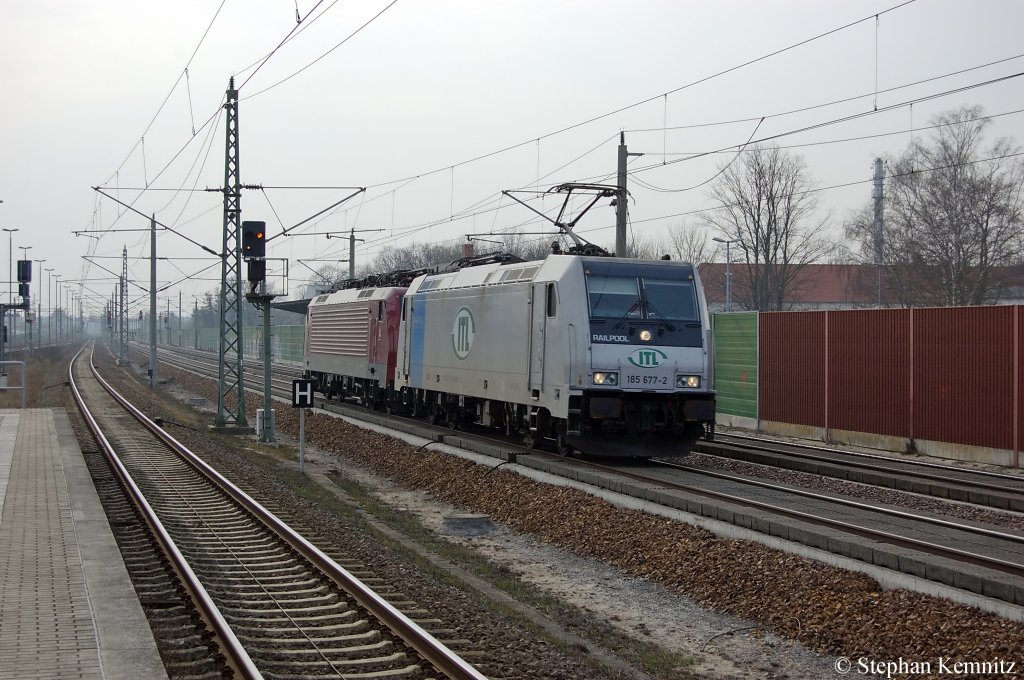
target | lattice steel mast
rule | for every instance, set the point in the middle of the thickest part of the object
(229, 377)
(122, 318)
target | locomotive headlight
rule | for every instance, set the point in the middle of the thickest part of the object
(645, 335)
(606, 378)
(687, 381)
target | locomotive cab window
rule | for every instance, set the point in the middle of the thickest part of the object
(670, 299)
(613, 296)
(380, 310)
(552, 301)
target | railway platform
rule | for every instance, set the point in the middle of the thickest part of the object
(67, 607)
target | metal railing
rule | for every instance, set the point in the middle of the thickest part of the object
(3, 378)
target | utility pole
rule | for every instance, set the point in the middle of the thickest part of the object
(152, 303)
(123, 311)
(230, 376)
(351, 247)
(621, 206)
(39, 311)
(877, 193)
(352, 254)
(49, 306)
(57, 308)
(112, 307)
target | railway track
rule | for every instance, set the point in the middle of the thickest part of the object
(979, 487)
(1001, 551)
(277, 606)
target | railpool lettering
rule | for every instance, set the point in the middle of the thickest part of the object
(597, 337)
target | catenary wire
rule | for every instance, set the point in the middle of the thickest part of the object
(347, 38)
(173, 87)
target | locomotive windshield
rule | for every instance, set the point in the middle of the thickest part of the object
(641, 297)
(614, 296)
(669, 299)
(627, 298)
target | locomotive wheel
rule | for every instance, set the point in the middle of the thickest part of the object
(530, 440)
(562, 446)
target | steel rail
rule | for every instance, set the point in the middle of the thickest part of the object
(431, 649)
(1004, 566)
(876, 456)
(234, 653)
(927, 519)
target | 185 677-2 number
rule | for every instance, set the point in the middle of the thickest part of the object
(646, 380)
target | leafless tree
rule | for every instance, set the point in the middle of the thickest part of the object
(954, 214)
(764, 203)
(643, 247)
(416, 256)
(691, 242)
(527, 247)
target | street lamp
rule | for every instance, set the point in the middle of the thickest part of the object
(39, 314)
(728, 269)
(57, 276)
(49, 309)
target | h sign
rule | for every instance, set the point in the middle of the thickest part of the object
(302, 394)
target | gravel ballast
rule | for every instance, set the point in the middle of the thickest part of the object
(832, 611)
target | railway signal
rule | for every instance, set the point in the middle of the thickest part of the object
(254, 239)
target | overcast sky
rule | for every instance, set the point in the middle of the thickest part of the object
(405, 105)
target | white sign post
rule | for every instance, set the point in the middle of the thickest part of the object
(302, 398)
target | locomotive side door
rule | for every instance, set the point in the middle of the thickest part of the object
(538, 336)
(543, 308)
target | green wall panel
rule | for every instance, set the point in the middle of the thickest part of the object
(736, 363)
(286, 342)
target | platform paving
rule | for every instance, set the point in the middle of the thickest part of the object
(67, 607)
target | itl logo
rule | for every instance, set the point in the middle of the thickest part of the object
(463, 331)
(647, 358)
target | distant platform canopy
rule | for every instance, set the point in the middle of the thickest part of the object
(294, 306)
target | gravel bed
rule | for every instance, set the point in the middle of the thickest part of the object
(903, 499)
(503, 647)
(827, 609)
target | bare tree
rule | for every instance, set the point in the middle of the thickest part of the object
(691, 242)
(520, 245)
(416, 256)
(765, 205)
(953, 215)
(327, 276)
(643, 247)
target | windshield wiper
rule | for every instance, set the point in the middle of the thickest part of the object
(632, 308)
(659, 317)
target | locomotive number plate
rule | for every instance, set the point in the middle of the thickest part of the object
(660, 381)
(647, 380)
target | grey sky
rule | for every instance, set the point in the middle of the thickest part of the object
(429, 85)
